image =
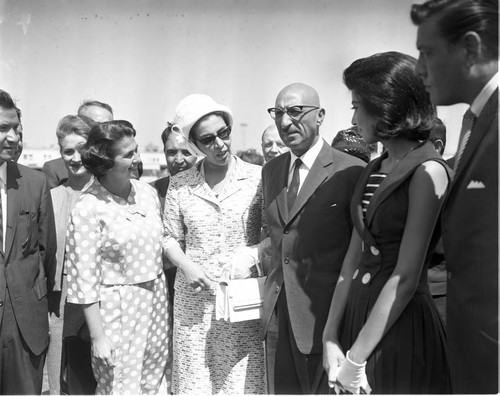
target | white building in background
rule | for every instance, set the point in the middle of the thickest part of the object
(154, 164)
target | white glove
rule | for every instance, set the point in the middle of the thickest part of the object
(239, 264)
(352, 376)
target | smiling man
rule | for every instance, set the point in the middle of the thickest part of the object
(307, 193)
(458, 63)
(27, 250)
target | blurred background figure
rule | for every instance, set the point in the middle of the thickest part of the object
(178, 156)
(272, 145)
(251, 156)
(212, 211)
(55, 171)
(66, 320)
(19, 148)
(114, 266)
(351, 142)
(98, 111)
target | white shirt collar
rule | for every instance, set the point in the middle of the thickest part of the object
(478, 105)
(3, 172)
(308, 157)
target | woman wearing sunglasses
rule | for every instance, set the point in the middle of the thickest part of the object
(211, 212)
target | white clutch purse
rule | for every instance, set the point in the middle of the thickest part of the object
(239, 300)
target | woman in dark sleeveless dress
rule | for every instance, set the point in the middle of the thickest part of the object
(383, 330)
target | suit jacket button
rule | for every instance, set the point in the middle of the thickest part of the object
(355, 274)
(287, 231)
(277, 290)
(366, 278)
(1, 303)
(286, 260)
(374, 251)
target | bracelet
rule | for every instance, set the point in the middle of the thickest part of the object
(353, 363)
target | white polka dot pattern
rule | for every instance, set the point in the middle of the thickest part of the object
(213, 357)
(112, 241)
(113, 253)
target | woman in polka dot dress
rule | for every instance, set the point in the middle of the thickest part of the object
(212, 210)
(115, 268)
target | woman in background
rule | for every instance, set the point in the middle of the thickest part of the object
(383, 330)
(72, 133)
(115, 267)
(211, 211)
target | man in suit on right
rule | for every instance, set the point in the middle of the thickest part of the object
(307, 194)
(458, 63)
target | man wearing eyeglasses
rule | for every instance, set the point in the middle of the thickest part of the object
(307, 194)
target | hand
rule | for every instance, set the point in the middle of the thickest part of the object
(103, 349)
(196, 276)
(333, 357)
(352, 376)
(239, 264)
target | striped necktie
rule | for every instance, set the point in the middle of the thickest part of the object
(467, 123)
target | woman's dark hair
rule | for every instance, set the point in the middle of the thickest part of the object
(98, 154)
(392, 93)
(457, 17)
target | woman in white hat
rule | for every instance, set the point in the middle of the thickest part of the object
(212, 211)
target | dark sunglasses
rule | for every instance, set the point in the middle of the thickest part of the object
(222, 134)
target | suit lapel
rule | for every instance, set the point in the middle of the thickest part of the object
(479, 130)
(399, 174)
(13, 204)
(357, 197)
(316, 176)
(200, 187)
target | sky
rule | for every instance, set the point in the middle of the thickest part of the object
(143, 56)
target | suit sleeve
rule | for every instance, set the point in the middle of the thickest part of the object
(47, 235)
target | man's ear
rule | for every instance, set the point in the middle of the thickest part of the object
(321, 116)
(473, 46)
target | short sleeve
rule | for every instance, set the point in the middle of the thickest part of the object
(83, 246)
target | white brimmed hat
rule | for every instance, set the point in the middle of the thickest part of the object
(194, 107)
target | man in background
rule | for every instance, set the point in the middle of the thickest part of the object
(179, 158)
(55, 171)
(272, 145)
(458, 63)
(27, 252)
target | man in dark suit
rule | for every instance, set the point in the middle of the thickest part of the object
(458, 63)
(55, 171)
(307, 210)
(28, 247)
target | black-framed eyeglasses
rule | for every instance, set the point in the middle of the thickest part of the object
(292, 111)
(221, 134)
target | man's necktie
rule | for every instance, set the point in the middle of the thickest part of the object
(293, 188)
(467, 123)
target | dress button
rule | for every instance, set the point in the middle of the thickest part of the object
(286, 260)
(374, 251)
(355, 274)
(366, 278)
(277, 290)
